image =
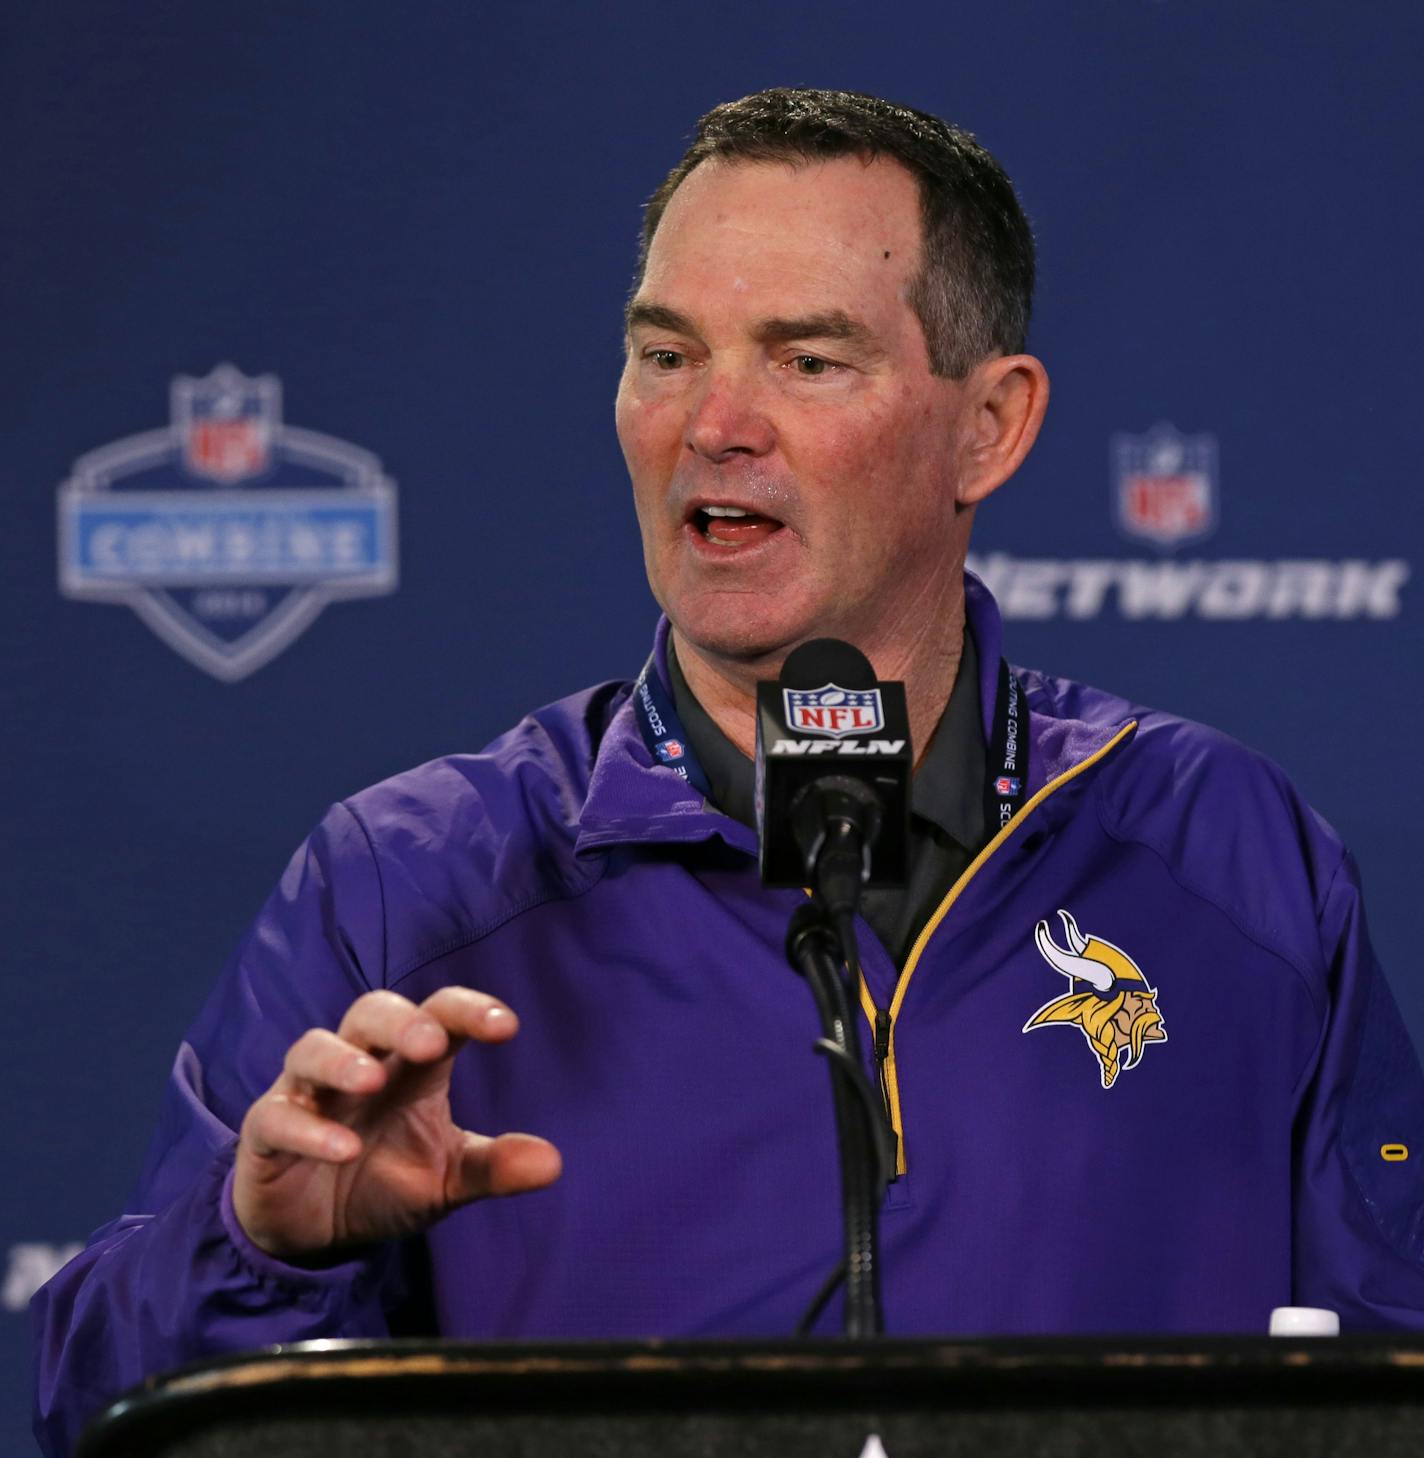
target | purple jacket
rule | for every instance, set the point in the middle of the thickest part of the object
(1068, 1168)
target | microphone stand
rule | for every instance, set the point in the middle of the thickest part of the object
(819, 943)
(820, 824)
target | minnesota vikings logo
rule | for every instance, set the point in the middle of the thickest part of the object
(1118, 1014)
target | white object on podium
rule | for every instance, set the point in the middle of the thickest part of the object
(1304, 1321)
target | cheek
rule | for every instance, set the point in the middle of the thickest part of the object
(882, 461)
(642, 434)
(849, 448)
(648, 429)
(900, 429)
(625, 417)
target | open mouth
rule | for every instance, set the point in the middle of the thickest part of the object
(732, 526)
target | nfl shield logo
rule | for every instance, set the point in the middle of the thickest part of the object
(226, 423)
(1166, 485)
(833, 712)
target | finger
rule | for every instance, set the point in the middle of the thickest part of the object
(321, 1060)
(509, 1165)
(276, 1125)
(461, 1015)
(467, 1014)
(386, 1022)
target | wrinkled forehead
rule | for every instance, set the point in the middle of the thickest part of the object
(740, 227)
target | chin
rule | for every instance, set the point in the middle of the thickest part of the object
(737, 648)
(738, 628)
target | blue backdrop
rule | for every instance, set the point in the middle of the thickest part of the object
(416, 223)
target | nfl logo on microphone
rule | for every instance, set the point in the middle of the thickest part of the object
(833, 712)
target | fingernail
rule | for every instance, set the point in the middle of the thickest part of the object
(496, 1015)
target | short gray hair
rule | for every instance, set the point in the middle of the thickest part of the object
(974, 290)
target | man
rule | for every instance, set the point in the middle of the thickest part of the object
(825, 375)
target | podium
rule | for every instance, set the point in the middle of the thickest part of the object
(1060, 1398)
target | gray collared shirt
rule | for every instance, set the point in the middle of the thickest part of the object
(946, 805)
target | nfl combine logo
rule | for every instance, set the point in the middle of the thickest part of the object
(227, 531)
(833, 712)
(1166, 485)
(670, 750)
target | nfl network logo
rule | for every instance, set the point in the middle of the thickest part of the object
(227, 531)
(1166, 485)
(833, 712)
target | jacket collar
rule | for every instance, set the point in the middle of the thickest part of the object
(634, 801)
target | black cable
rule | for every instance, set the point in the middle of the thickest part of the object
(818, 1302)
(856, 1214)
(830, 1004)
(875, 1133)
(860, 1163)
(885, 1166)
(883, 1146)
(883, 1134)
(866, 1151)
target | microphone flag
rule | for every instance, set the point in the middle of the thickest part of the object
(828, 716)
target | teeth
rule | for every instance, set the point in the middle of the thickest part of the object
(725, 511)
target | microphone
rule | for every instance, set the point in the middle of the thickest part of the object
(833, 767)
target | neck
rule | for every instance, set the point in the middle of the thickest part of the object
(925, 659)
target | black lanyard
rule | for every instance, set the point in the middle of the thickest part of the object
(1007, 760)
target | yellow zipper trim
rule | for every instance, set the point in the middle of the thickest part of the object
(867, 1003)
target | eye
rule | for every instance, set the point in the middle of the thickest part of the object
(666, 359)
(809, 364)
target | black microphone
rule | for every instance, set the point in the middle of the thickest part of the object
(833, 767)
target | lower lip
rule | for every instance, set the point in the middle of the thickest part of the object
(735, 553)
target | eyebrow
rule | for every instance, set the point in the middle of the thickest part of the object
(829, 324)
(832, 324)
(656, 316)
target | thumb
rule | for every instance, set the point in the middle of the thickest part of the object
(508, 1165)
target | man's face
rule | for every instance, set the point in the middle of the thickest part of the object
(775, 368)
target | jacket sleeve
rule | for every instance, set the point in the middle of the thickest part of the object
(1359, 1142)
(175, 1279)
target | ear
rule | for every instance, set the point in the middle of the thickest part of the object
(1007, 398)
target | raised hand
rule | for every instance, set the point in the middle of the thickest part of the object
(354, 1142)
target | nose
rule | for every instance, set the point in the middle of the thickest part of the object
(729, 417)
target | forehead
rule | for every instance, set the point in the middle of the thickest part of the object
(843, 232)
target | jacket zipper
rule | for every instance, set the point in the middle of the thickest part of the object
(882, 1058)
(882, 1020)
